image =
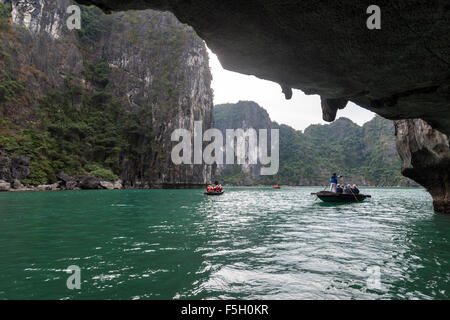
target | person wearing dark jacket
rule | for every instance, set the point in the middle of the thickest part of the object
(347, 189)
(355, 189)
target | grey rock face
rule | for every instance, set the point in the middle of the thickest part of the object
(16, 184)
(107, 185)
(12, 168)
(426, 159)
(242, 115)
(67, 182)
(158, 65)
(117, 185)
(137, 72)
(4, 186)
(47, 187)
(90, 182)
(46, 45)
(248, 181)
(64, 177)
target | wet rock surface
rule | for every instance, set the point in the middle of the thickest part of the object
(426, 159)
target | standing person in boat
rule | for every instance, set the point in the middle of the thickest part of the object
(333, 182)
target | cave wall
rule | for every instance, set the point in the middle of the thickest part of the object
(324, 47)
(426, 158)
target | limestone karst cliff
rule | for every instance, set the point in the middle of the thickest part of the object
(242, 115)
(365, 155)
(102, 100)
(400, 71)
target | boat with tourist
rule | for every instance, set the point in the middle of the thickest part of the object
(329, 196)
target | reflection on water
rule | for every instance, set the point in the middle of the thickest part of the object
(250, 243)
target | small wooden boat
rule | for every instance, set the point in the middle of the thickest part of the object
(328, 196)
(214, 193)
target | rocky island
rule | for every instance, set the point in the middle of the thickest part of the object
(365, 155)
(94, 108)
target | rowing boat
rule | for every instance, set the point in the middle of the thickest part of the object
(328, 196)
(214, 193)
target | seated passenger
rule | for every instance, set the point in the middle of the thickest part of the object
(339, 189)
(355, 189)
(347, 189)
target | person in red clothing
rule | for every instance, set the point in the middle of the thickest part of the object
(217, 186)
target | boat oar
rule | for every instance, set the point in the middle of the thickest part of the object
(354, 195)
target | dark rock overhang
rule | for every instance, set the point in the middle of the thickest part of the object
(324, 47)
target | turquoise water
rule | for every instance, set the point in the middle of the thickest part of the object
(250, 243)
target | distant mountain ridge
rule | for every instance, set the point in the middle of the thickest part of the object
(365, 155)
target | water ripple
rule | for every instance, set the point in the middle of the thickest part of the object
(250, 243)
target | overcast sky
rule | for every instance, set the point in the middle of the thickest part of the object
(299, 112)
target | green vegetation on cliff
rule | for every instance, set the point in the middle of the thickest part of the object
(5, 14)
(10, 88)
(365, 155)
(107, 114)
(68, 137)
